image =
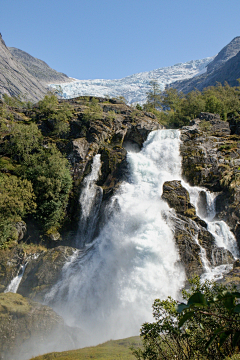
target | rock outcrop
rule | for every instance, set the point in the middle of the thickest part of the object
(43, 271)
(211, 158)
(190, 232)
(106, 133)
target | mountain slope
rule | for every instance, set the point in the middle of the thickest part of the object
(38, 68)
(225, 67)
(15, 79)
(134, 87)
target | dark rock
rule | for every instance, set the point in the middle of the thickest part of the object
(236, 264)
(185, 232)
(21, 228)
(43, 272)
(209, 116)
(190, 232)
(212, 162)
(178, 198)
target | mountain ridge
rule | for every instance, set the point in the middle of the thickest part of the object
(37, 68)
(15, 79)
(224, 67)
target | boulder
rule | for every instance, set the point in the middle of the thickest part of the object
(43, 271)
(178, 198)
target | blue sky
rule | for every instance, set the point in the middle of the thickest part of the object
(112, 39)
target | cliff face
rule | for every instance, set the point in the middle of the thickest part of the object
(15, 79)
(211, 158)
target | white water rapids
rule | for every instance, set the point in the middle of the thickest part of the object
(108, 287)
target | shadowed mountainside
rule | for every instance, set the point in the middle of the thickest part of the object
(15, 79)
(225, 67)
(38, 68)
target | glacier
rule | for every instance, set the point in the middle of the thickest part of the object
(133, 87)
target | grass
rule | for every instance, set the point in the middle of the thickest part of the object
(110, 350)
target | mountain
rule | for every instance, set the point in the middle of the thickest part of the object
(38, 68)
(15, 79)
(224, 67)
(134, 87)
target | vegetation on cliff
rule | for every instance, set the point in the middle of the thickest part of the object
(34, 176)
(48, 148)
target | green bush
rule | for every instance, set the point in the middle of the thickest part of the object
(50, 175)
(42, 165)
(16, 200)
(179, 108)
(57, 113)
(207, 327)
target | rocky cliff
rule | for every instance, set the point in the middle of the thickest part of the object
(28, 328)
(211, 158)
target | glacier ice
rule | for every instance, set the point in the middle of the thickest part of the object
(134, 87)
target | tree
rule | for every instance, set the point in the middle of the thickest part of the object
(154, 95)
(206, 327)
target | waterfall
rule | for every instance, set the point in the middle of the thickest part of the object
(224, 238)
(14, 284)
(90, 202)
(108, 288)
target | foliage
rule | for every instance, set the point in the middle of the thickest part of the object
(50, 175)
(139, 107)
(154, 95)
(178, 108)
(42, 165)
(23, 140)
(111, 115)
(57, 114)
(94, 111)
(207, 327)
(16, 101)
(16, 200)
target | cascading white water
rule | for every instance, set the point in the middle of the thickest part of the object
(90, 201)
(219, 229)
(108, 288)
(14, 284)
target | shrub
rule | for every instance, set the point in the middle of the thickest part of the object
(16, 200)
(207, 327)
